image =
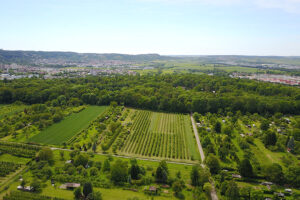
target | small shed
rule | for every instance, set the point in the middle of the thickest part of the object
(70, 186)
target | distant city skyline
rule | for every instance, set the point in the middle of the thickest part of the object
(166, 27)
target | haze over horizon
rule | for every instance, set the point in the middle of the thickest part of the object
(178, 27)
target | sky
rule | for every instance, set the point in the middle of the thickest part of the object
(167, 27)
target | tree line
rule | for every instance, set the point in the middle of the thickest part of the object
(172, 93)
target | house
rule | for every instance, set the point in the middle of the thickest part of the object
(288, 190)
(68, 161)
(266, 183)
(279, 130)
(242, 135)
(198, 124)
(279, 194)
(236, 176)
(249, 134)
(26, 188)
(223, 121)
(70, 186)
(208, 129)
(151, 190)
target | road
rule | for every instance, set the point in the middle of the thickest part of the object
(213, 193)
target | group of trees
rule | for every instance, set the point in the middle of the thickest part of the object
(175, 93)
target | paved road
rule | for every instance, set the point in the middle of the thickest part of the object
(213, 193)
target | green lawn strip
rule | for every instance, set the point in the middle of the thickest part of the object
(67, 128)
(15, 159)
(190, 138)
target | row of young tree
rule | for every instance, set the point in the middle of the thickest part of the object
(174, 93)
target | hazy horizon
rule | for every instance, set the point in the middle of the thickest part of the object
(178, 27)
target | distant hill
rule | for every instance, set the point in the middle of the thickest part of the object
(247, 60)
(30, 57)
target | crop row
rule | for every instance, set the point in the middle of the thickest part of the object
(158, 135)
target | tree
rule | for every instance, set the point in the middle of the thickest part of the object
(274, 173)
(195, 176)
(246, 168)
(46, 154)
(162, 172)
(291, 144)
(296, 134)
(95, 196)
(213, 163)
(62, 155)
(293, 175)
(106, 165)
(87, 189)
(218, 127)
(94, 147)
(81, 160)
(77, 193)
(224, 187)
(177, 187)
(134, 171)
(93, 171)
(264, 125)
(36, 185)
(232, 191)
(119, 172)
(227, 130)
(270, 138)
(207, 188)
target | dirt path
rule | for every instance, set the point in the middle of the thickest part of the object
(213, 193)
(120, 156)
(197, 139)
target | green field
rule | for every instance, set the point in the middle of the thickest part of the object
(67, 128)
(161, 135)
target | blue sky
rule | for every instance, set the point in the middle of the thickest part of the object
(202, 27)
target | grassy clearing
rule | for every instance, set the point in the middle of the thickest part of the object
(15, 159)
(67, 128)
(7, 110)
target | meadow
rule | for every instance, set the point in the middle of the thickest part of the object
(7, 110)
(61, 132)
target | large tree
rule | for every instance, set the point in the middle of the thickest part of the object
(246, 168)
(119, 172)
(162, 172)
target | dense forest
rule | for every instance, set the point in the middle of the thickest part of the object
(172, 93)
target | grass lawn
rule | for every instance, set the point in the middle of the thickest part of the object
(68, 127)
(15, 159)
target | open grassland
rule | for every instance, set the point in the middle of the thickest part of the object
(7, 110)
(161, 135)
(67, 128)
